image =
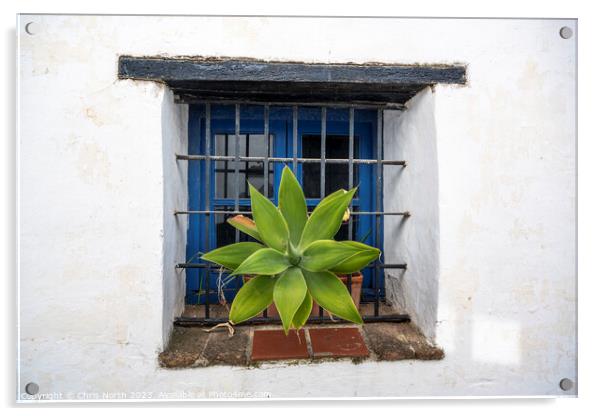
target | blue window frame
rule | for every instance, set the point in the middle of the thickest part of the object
(217, 190)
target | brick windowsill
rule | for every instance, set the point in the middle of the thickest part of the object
(195, 347)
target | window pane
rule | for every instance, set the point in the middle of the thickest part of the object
(252, 145)
(336, 174)
(225, 182)
(257, 145)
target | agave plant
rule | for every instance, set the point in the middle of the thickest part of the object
(295, 260)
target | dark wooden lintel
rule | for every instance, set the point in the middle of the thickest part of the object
(173, 69)
(294, 92)
(261, 81)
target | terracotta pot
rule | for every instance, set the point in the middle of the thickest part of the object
(356, 291)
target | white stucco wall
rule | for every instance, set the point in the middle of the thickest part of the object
(174, 129)
(410, 135)
(96, 236)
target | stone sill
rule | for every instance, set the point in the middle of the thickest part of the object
(192, 347)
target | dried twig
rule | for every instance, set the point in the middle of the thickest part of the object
(227, 325)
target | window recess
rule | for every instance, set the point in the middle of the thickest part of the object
(248, 118)
(327, 147)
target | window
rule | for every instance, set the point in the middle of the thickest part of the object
(317, 88)
(328, 148)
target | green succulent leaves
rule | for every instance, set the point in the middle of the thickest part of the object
(233, 255)
(264, 261)
(297, 262)
(290, 291)
(331, 294)
(363, 256)
(303, 312)
(326, 219)
(328, 254)
(270, 222)
(292, 205)
(252, 298)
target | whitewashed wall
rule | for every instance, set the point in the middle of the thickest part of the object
(410, 135)
(97, 290)
(174, 129)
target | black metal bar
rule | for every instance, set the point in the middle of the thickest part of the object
(236, 165)
(246, 183)
(323, 153)
(199, 274)
(402, 214)
(207, 291)
(390, 266)
(223, 289)
(350, 163)
(251, 170)
(402, 163)
(232, 289)
(295, 137)
(189, 322)
(226, 167)
(211, 266)
(322, 166)
(266, 134)
(378, 219)
(197, 266)
(207, 199)
(350, 183)
(349, 278)
(181, 97)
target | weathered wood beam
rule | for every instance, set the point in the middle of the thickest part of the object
(192, 69)
(202, 96)
(396, 102)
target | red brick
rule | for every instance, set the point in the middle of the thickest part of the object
(274, 345)
(337, 342)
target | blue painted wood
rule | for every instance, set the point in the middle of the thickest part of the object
(194, 202)
(222, 122)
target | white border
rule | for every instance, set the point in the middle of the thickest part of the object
(590, 150)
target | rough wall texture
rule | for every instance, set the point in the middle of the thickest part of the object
(94, 253)
(410, 135)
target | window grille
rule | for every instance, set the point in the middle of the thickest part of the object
(265, 164)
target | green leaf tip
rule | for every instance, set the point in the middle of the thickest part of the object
(231, 256)
(270, 223)
(292, 204)
(252, 298)
(289, 293)
(265, 261)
